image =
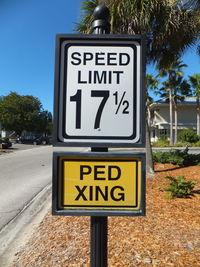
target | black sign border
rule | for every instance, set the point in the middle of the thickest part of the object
(57, 208)
(100, 160)
(133, 135)
(115, 142)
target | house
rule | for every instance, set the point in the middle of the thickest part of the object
(159, 120)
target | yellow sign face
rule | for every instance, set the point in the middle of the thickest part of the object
(112, 183)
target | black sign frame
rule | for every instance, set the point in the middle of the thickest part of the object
(59, 80)
(57, 195)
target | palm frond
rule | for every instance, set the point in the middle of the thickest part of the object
(170, 28)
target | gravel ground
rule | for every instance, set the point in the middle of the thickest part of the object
(169, 234)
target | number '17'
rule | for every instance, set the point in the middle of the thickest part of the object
(77, 98)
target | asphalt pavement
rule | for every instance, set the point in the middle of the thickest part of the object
(24, 173)
(25, 186)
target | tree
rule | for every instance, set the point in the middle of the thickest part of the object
(44, 123)
(173, 71)
(180, 89)
(18, 113)
(170, 28)
(194, 4)
(195, 83)
(151, 84)
(161, 20)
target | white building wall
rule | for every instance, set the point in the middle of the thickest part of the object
(161, 115)
(187, 114)
(160, 118)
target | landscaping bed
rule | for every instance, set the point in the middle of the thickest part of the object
(169, 234)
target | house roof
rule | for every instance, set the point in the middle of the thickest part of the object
(165, 104)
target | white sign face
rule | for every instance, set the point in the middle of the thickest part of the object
(101, 92)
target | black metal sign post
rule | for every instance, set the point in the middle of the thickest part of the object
(99, 225)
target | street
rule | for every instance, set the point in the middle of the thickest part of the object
(23, 174)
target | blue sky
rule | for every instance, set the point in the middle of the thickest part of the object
(27, 46)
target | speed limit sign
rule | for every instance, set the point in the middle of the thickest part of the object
(99, 94)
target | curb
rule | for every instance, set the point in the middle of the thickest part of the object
(12, 230)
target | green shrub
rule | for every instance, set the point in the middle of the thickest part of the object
(176, 160)
(182, 144)
(172, 156)
(179, 187)
(177, 157)
(195, 144)
(162, 137)
(188, 136)
(191, 159)
(164, 143)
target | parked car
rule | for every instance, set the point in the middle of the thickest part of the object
(45, 140)
(35, 140)
(5, 143)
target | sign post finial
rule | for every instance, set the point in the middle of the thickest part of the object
(101, 23)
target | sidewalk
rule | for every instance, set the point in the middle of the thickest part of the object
(18, 231)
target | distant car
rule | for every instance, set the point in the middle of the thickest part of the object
(26, 139)
(35, 140)
(5, 143)
(44, 140)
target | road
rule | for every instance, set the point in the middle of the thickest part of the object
(23, 174)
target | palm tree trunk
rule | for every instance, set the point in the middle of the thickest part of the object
(198, 117)
(149, 157)
(175, 122)
(171, 116)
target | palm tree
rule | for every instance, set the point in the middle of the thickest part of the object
(181, 88)
(195, 4)
(151, 84)
(173, 71)
(170, 28)
(195, 83)
(161, 20)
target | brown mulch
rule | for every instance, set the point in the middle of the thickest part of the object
(169, 234)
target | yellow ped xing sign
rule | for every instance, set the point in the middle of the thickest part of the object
(88, 184)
